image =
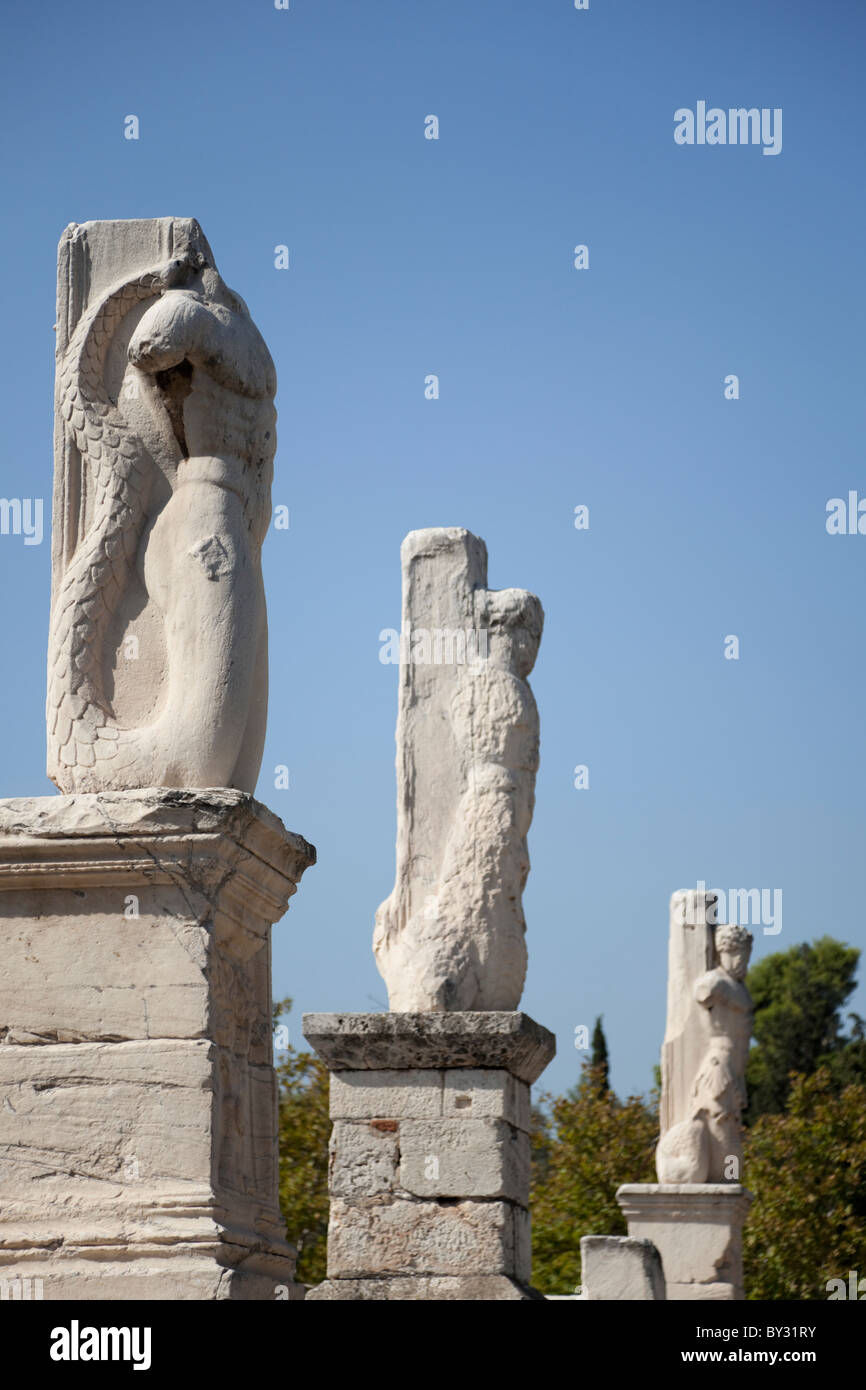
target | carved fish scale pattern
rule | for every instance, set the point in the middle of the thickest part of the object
(83, 735)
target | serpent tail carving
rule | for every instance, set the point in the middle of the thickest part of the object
(82, 729)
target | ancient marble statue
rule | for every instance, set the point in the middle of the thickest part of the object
(706, 1047)
(451, 936)
(164, 446)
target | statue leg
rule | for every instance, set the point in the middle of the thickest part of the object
(726, 1149)
(200, 569)
(249, 761)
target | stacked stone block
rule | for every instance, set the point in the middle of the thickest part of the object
(138, 1108)
(429, 1162)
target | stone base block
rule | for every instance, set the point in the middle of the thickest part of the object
(617, 1268)
(490, 1288)
(138, 1123)
(429, 1168)
(177, 1271)
(697, 1229)
(395, 1236)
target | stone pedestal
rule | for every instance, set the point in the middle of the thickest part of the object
(429, 1175)
(138, 1124)
(697, 1229)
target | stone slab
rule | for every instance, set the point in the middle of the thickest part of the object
(620, 1268)
(364, 1157)
(87, 1106)
(124, 816)
(214, 1271)
(461, 1157)
(396, 1095)
(483, 1288)
(492, 1095)
(464, 1093)
(385, 1237)
(379, 1042)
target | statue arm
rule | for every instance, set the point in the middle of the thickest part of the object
(167, 333)
(229, 349)
(716, 986)
(707, 986)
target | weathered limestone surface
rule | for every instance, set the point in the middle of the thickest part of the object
(697, 1230)
(357, 1042)
(429, 1167)
(164, 445)
(706, 1046)
(620, 1268)
(451, 935)
(483, 1288)
(138, 1154)
(404, 1237)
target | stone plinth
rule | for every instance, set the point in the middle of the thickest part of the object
(697, 1229)
(138, 1125)
(619, 1268)
(429, 1174)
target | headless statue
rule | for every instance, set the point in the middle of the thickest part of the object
(452, 934)
(165, 447)
(705, 1144)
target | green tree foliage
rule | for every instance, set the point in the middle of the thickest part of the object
(798, 996)
(305, 1130)
(583, 1147)
(848, 1063)
(807, 1170)
(805, 1159)
(599, 1057)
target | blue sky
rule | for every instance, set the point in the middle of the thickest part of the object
(558, 387)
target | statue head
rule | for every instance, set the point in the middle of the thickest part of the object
(734, 946)
(514, 620)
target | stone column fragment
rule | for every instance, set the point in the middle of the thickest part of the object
(690, 954)
(429, 1176)
(138, 1122)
